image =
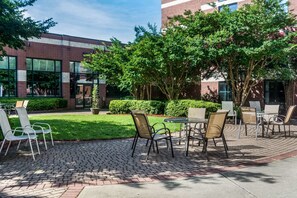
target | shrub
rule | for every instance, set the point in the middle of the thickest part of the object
(39, 104)
(180, 107)
(124, 106)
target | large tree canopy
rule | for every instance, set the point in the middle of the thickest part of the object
(246, 45)
(166, 61)
(15, 27)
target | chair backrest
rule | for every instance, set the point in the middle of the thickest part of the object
(19, 103)
(228, 105)
(25, 104)
(23, 116)
(4, 123)
(142, 125)
(255, 104)
(216, 124)
(271, 109)
(196, 113)
(289, 113)
(248, 115)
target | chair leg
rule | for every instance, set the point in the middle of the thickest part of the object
(133, 141)
(171, 147)
(19, 145)
(239, 131)
(37, 145)
(205, 142)
(152, 143)
(245, 127)
(188, 142)
(214, 141)
(52, 138)
(2, 145)
(44, 141)
(157, 147)
(134, 146)
(31, 149)
(7, 147)
(225, 145)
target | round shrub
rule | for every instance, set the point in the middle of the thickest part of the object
(125, 106)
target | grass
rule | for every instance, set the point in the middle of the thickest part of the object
(91, 127)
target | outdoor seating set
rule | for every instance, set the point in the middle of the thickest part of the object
(27, 131)
(196, 127)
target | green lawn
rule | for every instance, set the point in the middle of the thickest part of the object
(91, 127)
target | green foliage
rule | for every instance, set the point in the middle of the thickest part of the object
(180, 107)
(95, 97)
(125, 106)
(39, 104)
(15, 28)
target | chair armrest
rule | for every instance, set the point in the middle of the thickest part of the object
(39, 124)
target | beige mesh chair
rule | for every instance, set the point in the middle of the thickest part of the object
(38, 127)
(215, 128)
(11, 135)
(145, 131)
(249, 117)
(281, 120)
(270, 111)
(256, 105)
(228, 105)
(19, 103)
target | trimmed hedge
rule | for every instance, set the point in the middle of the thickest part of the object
(180, 107)
(171, 108)
(39, 104)
(124, 106)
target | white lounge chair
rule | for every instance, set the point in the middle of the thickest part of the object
(9, 134)
(38, 127)
(228, 105)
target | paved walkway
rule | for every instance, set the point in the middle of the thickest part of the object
(68, 167)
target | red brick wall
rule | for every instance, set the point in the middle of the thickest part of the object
(293, 6)
(208, 87)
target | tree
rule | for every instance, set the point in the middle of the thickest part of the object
(241, 45)
(15, 28)
(166, 61)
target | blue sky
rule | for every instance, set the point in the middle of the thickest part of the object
(97, 19)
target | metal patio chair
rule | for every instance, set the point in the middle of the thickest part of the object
(249, 117)
(215, 128)
(146, 131)
(38, 127)
(228, 105)
(281, 120)
(11, 135)
(256, 105)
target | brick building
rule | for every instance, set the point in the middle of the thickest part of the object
(269, 91)
(51, 67)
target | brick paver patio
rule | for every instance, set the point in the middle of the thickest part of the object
(63, 170)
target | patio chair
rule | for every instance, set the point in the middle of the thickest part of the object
(215, 128)
(25, 103)
(248, 117)
(19, 103)
(281, 120)
(256, 105)
(38, 127)
(136, 134)
(270, 111)
(228, 105)
(145, 131)
(10, 135)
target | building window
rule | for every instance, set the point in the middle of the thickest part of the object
(225, 91)
(44, 78)
(8, 80)
(284, 4)
(232, 7)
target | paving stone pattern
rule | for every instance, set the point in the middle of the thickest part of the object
(63, 170)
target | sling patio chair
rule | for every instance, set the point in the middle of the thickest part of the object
(256, 105)
(249, 117)
(25, 103)
(270, 111)
(281, 120)
(11, 135)
(146, 131)
(38, 127)
(215, 129)
(228, 105)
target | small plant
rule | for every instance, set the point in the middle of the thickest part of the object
(95, 100)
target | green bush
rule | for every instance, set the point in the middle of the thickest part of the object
(39, 104)
(180, 107)
(124, 106)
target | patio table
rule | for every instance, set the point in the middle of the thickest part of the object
(185, 120)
